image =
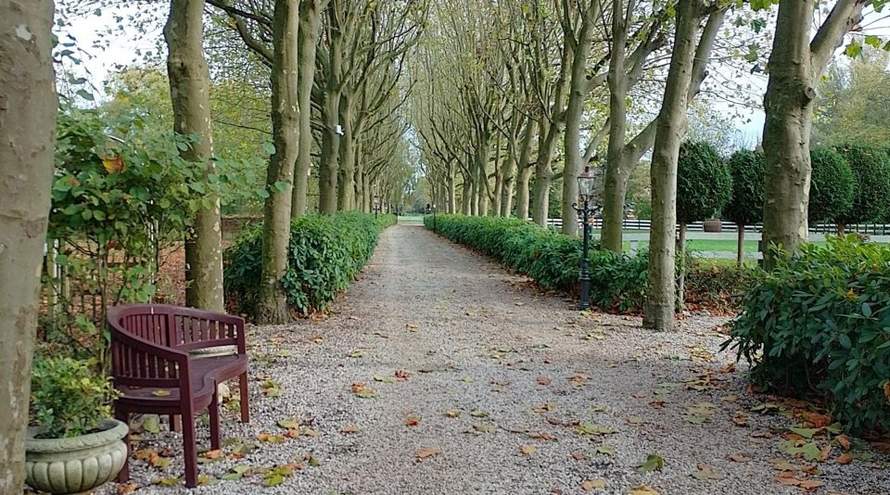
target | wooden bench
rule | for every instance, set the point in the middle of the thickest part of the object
(158, 368)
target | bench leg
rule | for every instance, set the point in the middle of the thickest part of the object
(190, 455)
(175, 424)
(214, 422)
(122, 415)
(245, 407)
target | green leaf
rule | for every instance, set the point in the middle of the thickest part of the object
(653, 462)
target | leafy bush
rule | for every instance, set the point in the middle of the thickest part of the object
(818, 324)
(871, 171)
(718, 286)
(68, 397)
(831, 187)
(551, 259)
(325, 254)
(746, 205)
(704, 183)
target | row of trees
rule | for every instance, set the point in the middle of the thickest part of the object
(511, 90)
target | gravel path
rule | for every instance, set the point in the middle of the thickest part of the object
(508, 390)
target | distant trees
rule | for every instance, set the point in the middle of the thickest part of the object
(704, 186)
(745, 206)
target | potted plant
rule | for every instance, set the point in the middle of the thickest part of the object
(73, 444)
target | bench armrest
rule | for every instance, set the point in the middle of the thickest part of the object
(135, 361)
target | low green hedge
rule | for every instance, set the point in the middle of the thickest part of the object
(551, 259)
(820, 324)
(325, 254)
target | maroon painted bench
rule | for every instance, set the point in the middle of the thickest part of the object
(157, 368)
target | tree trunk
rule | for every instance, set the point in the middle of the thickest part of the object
(330, 142)
(346, 180)
(522, 198)
(307, 39)
(465, 197)
(660, 303)
(543, 173)
(795, 64)
(740, 256)
(27, 133)
(578, 89)
(681, 276)
(615, 190)
(272, 304)
(190, 95)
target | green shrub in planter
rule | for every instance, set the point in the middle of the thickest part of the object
(550, 258)
(68, 397)
(818, 324)
(325, 254)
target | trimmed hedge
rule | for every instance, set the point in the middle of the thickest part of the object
(325, 254)
(550, 258)
(818, 324)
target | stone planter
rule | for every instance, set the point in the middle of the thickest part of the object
(713, 225)
(75, 464)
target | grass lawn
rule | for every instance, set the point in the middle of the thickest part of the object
(710, 245)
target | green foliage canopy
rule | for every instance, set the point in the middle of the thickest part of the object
(746, 204)
(871, 172)
(831, 185)
(704, 183)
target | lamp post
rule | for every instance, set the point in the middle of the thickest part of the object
(586, 207)
(434, 217)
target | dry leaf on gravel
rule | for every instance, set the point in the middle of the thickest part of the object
(643, 490)
(527, 450)
(427, 452)
(590, 485)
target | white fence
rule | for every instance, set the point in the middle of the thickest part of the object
(824, 228)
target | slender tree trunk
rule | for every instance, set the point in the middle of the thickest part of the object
(615, 190)
(27, 134)
(522, 196)
(272, 306)
(307, 39)
(578, 89)
(740, 257)
(330, 142)
(543, 173)
(346, 180)
(795, 64)
(681, 276)
(482, 181)
(660, 303)
(466, 197)
(190, 94)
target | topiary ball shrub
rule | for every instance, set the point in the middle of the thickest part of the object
(745, 206)
(704, 184)
(831, 187)
(816, 325)
(871, 172)
(325, 253)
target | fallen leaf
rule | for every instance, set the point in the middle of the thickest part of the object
(844, 458)
(605, 450)
(545, 407)
(643, 490)
(161, 392)
(412, 421)
(401, 375)
(168, 481)
(739, 457)
(350, 428)
(476, 413)
(578, 455)
(653, 462)
(427, 452)
(705, 472)
(843, 441)
(452, 413)
(543, 380)
(289, 423)
(527, 450)
(590, 485)
(363, 391)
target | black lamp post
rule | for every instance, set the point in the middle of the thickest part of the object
(586, 207)
(434, 217)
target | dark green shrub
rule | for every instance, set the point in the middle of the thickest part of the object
(831, 185)
(68, 397)
(717, 286)
(745, 206)
(871, 172)
(325, 254)
(551, 259)
(704, 183)
(818, 324)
